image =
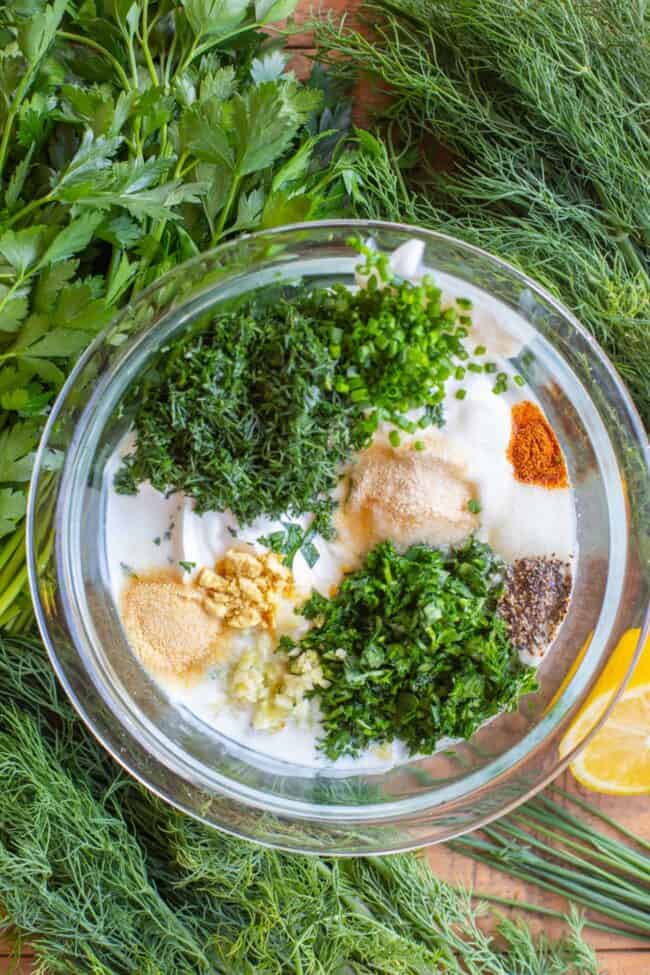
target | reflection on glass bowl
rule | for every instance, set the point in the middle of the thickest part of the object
(217, 779)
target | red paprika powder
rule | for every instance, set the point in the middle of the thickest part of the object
(534, 451)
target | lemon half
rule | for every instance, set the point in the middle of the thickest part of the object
(617, 759)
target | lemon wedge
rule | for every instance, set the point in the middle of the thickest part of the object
(617, 759)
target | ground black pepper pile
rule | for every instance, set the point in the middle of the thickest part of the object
(535, 600)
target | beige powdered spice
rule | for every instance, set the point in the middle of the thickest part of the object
(245, 588)
(409, 496)
(168, 627)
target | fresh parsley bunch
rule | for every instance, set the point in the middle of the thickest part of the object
(413, 649)
(132, 136)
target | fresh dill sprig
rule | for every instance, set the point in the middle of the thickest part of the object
(543, 110)
(102, 876)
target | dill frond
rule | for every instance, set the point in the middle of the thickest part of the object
(544, 109)
(105, 879)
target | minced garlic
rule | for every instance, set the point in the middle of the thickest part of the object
(276, 687)
(245, 588)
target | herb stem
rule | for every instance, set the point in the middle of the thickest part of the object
(571, 890)
(223, 39)
(29, 208)
(89, 42)
(594, 845)
(21, 91)
(223, 217)
(144, 40)
(549, 912)
(597, 813)
(12, 591)
(591, 877)
(10, 546)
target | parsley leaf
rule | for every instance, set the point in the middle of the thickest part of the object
(123, 152)
(413, 649)
(12, 508)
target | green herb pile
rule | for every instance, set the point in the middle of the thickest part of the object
(556, 841)
(258, 412)
(104, 879)
(424, 655)
(134, 132)
(523, 128)
(132, 136)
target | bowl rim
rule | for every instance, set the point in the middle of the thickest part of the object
(285, 808)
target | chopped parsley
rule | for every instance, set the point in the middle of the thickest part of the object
(292, 539)
(187, 566)
(426, 656)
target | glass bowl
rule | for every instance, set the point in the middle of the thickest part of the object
(274, 802)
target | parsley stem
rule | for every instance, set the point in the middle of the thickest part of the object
(115, 64)
(41, 201)
(144, 40)
(12, 591)
(223, 39)
(169, 60)
(21, 91)
(189, 57)
(197, 49)
(10, 547)
(232, 194)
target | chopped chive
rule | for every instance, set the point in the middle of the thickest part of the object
(519, 380)
(419, 445)
(490, 367)
(461, 393)
(474, 506)
(394, 438)
(480, 350)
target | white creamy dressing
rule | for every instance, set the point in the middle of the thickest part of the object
(148, 531)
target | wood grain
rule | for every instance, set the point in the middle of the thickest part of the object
(616, 955)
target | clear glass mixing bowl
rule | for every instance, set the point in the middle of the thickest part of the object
(277, 803)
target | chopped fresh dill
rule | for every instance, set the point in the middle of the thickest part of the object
(259, 411)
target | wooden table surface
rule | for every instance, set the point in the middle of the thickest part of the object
(617, 956)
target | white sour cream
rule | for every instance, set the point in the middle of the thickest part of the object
(148, 531)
